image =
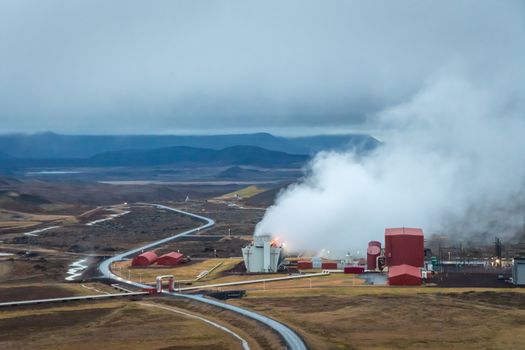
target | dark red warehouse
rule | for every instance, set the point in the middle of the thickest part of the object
(329, 265)
(144, 259)
(357, 270)
(170, 259)
(404, 246)
(304, 265)
(404, 275)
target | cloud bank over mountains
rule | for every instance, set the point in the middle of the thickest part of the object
(135, 67)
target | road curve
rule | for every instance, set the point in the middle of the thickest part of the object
(293, 341)
(290, 337)
(104, 267)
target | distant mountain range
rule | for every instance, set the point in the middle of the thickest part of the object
(179, 156)
(188, 156)
(50, 145)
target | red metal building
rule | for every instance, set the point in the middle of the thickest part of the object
(357, 270)
(144, 259)
(373, 251)
(404, 246)
(329, 265)
(304, 265)
(404, 275)
(170, 259)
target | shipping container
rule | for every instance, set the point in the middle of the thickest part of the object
(329, 265)
(357, 270)
(404, 246)
(304, 265)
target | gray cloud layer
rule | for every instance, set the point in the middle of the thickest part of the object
(134, 66)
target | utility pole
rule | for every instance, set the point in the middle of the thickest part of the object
(497, 248)
(462, 260)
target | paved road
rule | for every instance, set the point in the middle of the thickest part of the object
(291, 338)
(106, 264)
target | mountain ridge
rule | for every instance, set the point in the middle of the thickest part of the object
(52, 145)
(178, 155)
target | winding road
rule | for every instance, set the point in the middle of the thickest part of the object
(292, 339)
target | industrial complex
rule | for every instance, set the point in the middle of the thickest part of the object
(261, 266)
(401, 259)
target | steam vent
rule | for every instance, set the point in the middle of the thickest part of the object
(262, 255)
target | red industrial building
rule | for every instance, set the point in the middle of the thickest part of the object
(170, 259)
(357, 270)
(304, 265)
(404, 246)
(329, 265)
(144, 259)
(372, 253)
(404, 275)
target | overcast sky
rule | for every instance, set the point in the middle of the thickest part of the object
(220, 66)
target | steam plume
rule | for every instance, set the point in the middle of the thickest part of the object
(452, 163)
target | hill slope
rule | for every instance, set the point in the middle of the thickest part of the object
(266, 198)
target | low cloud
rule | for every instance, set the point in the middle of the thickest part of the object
(134, 67)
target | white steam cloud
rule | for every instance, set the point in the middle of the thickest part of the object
(453, 163)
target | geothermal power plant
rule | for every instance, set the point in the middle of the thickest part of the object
(400, 259)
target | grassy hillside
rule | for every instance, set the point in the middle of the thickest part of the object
(246, 192)
(266, 198)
